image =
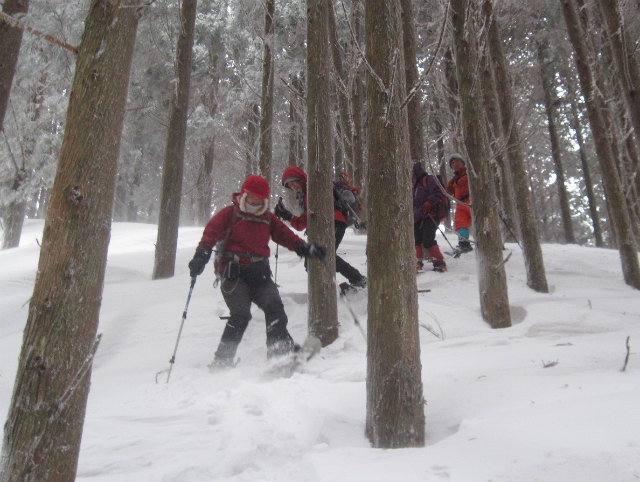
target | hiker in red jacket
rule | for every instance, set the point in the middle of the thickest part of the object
(242, 232)
(295, 179)
(458, 186)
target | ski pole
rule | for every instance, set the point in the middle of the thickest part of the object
(184, 317)
(275, 276)
(442, 232)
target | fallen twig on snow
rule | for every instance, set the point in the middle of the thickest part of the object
(626, 358)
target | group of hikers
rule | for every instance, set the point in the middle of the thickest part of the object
(240, 233)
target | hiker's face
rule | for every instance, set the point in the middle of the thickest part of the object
(456, 164)
(295, 186)
(254, 200)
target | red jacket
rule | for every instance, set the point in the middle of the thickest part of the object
(249, 234)
(459, 185)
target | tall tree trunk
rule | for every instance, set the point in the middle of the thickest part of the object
(266, 102)
(204, 182)
(253, 121)
(357, 101)
(342, 91)
(623, 50)
(534, 263)
(576, 125)
(504, 187)
(395, 414)
(169, 216)
(323, 311)
(612, 186)
(547, 75)
(44, 424)
(494, 301)
(10, 40)
(15, 212)
(296, 141)
(414, 89)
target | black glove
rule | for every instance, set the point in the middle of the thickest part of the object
(282, 212)
(311, 250)
(200, 259)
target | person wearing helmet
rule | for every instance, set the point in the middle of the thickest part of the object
(241, 233)
(458, 186)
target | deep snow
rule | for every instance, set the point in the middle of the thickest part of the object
(544, 400)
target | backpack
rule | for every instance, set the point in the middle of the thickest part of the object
(444, 206)
(347, 203)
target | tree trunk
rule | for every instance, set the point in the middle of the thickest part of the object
(494, 301)
(253, 122)
(15, 212)
(623, 50)
(10, 40)
(296, 141)
(205, 183)
(357, 100)
(612, 186)
(44, 424)
(547, 75)
(574, 121)
(171, 194)
(395, 414)
(534, 263)
(503, 176)
(266, 103)
(342, 91)
(323, 311)
(414, 89)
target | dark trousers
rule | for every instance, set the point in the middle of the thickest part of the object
(342, 267)
(424, 232)
(238, 295)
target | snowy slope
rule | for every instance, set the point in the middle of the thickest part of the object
(493, 412)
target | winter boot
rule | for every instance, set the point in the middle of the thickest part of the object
(464, 246)
(419, 266)
(438, 260)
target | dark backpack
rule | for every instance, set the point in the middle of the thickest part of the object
(444, 206)
(347, 203)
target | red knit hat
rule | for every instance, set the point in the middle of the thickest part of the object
(256, 186)
(293, 173)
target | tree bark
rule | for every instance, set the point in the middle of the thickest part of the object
(44, 424)
(574, 121)
(357, 100)
(15, 212)
(612, 187)
(10, 40)
(623, 50)
(414, 89)
(534, 262)
(172, 172)
(266, 103)
(395, 416)
(494, 301)
(548, 87)
(323, 311)
(342, 91)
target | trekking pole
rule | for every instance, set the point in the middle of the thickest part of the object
(442, 232)
(509, 228)
(275, 276)
(356, 321)
(184, 317)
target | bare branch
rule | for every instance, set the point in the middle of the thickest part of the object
(15, 23)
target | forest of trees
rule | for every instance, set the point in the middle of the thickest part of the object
(541, 97)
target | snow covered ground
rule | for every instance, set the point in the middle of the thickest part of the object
(545, 400)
